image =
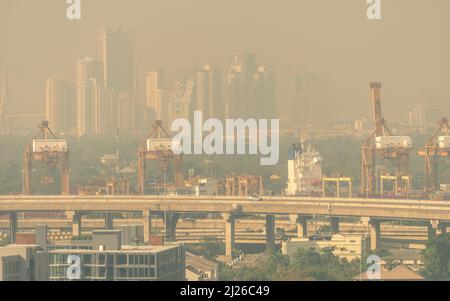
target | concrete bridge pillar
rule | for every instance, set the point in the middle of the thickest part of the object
(375, 234)
(171, 221)
(432, 228)
(302, 224)
(442, 227)
(12, 227)
(334, 225)
(270, 232)
(76, 222)
(109, 221)
(229, 220)
(147, 225)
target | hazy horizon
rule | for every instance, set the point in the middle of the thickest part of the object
(407, 50)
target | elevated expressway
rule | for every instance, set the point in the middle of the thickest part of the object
(373, 211)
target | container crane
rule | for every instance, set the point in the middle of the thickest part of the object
(383, 144)
(437, 147)
(157, 147)
(46, 147)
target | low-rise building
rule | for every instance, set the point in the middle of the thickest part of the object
(400, 273)
(131, 263)
(104, 258)
(23, 263)
(349, 246)
(200, 269)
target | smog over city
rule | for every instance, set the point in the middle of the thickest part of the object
(224, 141)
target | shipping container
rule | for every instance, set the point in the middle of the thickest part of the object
(444, 142)
(25, 239)
(52, 145)
(156, 240)
(385, 142)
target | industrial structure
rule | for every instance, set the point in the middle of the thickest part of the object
(384, 145)
(51, 151)
(159, 148)
(5, 122)
(242, 185)
(437, 147)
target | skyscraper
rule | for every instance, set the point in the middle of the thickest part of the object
(118, 58)
(182, 100)
(310, 104)
(209, 93)
(239, 85)
(251, 89)
(91, 101)
(264, 94)
(154, 94)
(119, 68)
(60, 104)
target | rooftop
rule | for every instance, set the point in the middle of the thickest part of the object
(399, 273)
(125, 249)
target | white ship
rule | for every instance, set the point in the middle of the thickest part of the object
(304, 170)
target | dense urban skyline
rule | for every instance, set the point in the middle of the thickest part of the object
(344, 46)
(239, 140)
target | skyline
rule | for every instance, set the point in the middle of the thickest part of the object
(343, 29)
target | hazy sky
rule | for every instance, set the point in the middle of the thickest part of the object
(408, 51)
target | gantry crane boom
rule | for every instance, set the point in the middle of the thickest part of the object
(46, 147)
(376, 145)
(158, 152)
(433, 151)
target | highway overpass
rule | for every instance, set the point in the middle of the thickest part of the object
(374, 211)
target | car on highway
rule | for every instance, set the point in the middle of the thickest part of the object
(255, 198)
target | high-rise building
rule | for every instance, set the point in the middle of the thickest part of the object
(182, 100)
(209, 93)
(91, 101)
(124, 111)
(117, 54)
(251, 89)
(264, 94)
(425, 115)
(60, 104)
(118, 58)
(310, 102)
(239, 85)
(154, 95)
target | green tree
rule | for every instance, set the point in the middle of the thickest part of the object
(436, 258)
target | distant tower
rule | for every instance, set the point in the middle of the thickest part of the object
(310, 103)
(60, 104)
(118, 58)
(243, 66)
(154, 93)
(251, 89)
(5, 125)
(117, 53)
(92, 108)
(209, 93)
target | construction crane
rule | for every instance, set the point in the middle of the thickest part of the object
(381, 143)
(51, 151)
(158, 147)
(437, 147)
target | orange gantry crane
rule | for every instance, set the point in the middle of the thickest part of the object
(157, 147)
(437, 147)
(51, 151)
(384, 145)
